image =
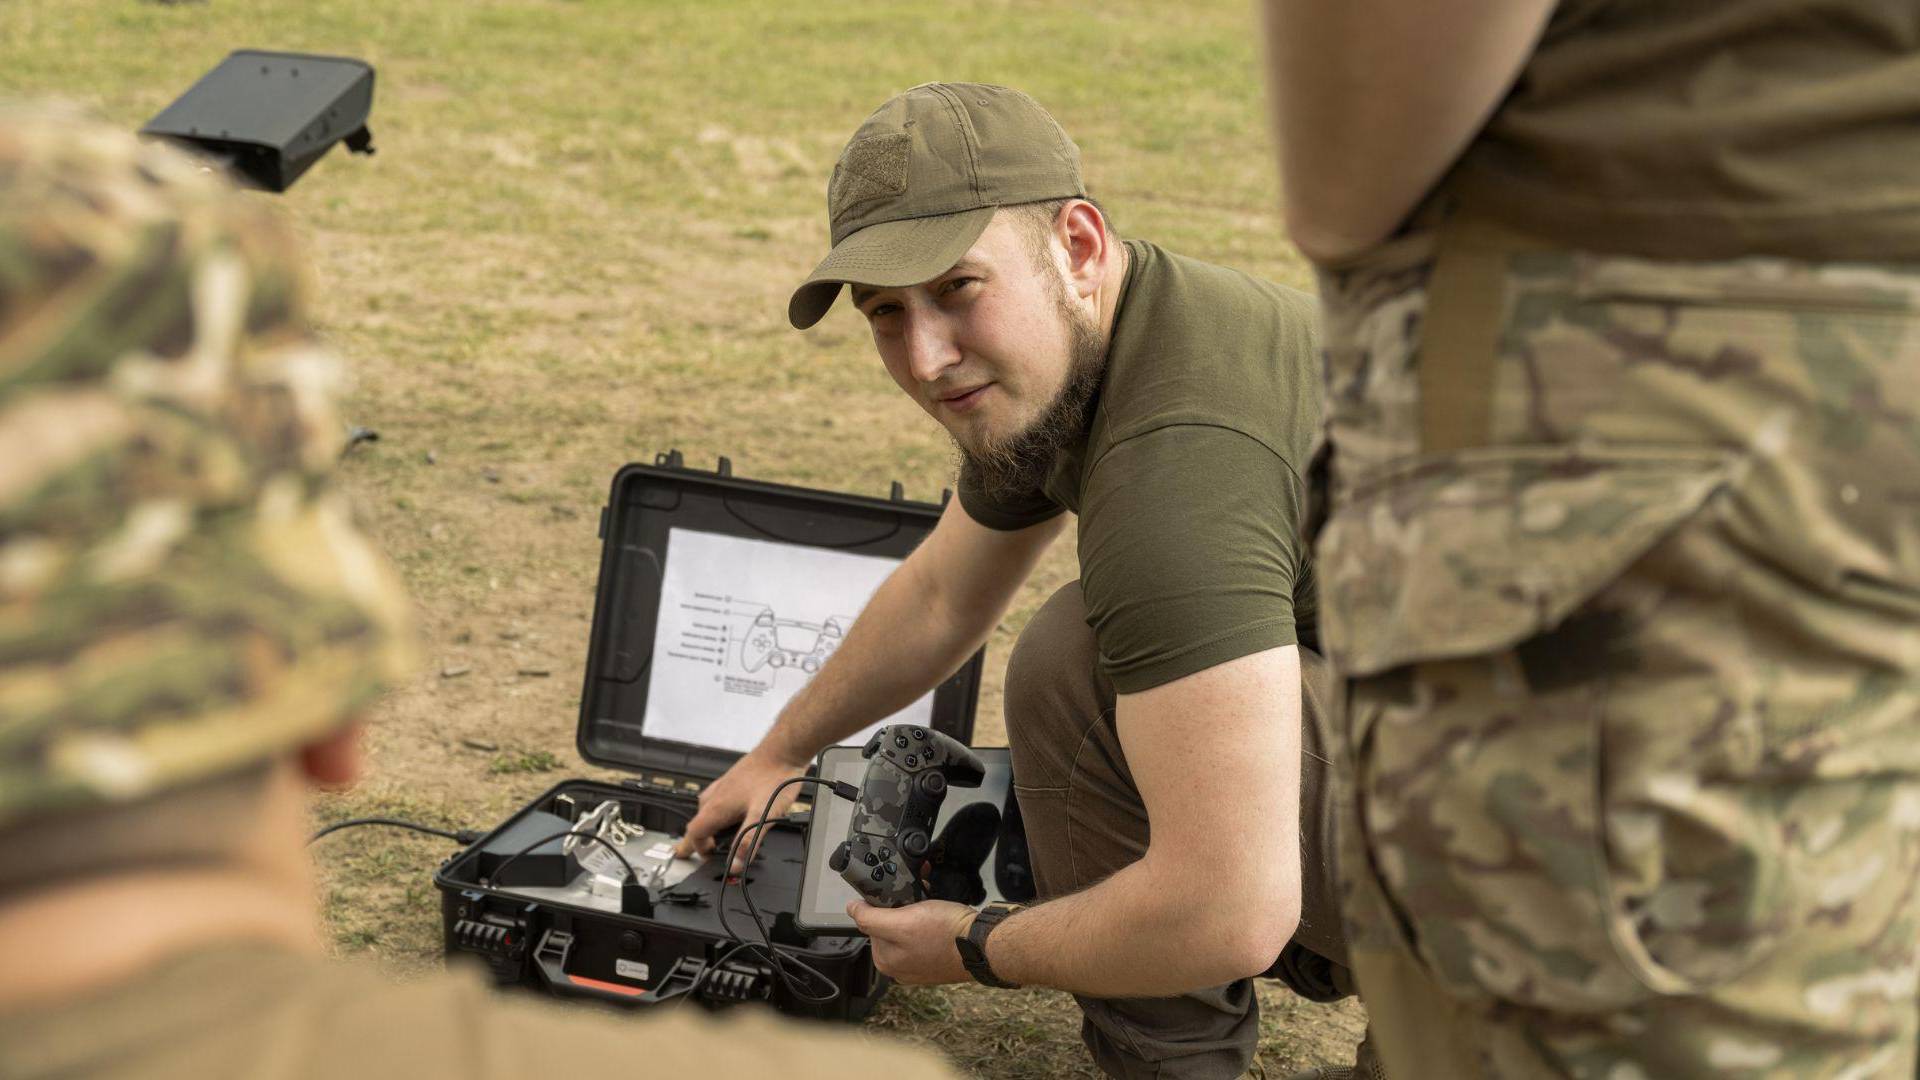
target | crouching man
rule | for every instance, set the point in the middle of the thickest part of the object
(1163, 710)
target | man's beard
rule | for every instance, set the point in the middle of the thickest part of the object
(1018, 465)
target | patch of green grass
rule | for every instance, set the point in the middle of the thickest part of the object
(523, 761)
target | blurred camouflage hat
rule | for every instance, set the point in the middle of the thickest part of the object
(182, 592)
(920, 179)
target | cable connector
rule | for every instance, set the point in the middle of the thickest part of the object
(635, 899)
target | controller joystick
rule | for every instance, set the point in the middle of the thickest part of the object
(909, 770)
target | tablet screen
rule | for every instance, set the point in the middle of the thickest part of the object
(979, 849)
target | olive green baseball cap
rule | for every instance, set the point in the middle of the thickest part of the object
(920, 179)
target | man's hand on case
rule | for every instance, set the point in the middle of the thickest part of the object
(737, 797)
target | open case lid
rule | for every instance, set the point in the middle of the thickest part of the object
(718, 598)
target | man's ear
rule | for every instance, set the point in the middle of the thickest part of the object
(336, 760)
(1082, 230)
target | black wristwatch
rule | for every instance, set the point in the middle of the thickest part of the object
(973, 947)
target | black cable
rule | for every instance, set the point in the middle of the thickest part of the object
(492, 880)
(779, 961)
(464, 836)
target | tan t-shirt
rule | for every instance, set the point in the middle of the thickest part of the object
(1188, 482)
(266, 1014)
(1696, 129)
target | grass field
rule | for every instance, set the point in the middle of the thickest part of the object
(574, 250)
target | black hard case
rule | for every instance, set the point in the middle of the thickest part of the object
(577, 951)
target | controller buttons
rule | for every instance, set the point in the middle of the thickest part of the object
(912, 761)
(885, 853)
(920, 733)
(872, 859)
(879, 874)
(900, 741)
(892, 869)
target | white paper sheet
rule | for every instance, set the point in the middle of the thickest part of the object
(743, 625)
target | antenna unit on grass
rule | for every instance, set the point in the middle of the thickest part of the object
(268, 116)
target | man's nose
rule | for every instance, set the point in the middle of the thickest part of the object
(930, 348)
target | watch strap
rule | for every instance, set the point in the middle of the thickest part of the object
(973, 947)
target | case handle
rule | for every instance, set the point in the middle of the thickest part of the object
(550, 962)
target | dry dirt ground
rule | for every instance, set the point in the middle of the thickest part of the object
(573, 250)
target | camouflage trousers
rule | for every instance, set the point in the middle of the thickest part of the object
(1621, 579)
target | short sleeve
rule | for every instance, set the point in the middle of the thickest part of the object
(1190, 552)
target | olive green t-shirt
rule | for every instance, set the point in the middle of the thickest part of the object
(267, 1014)
(1711, 130)
(1188, 481)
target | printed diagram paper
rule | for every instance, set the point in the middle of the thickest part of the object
(743, 625)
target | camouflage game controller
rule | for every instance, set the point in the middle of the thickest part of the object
(909, 769)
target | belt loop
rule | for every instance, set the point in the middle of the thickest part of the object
(1460, 337)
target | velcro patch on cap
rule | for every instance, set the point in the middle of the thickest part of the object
(871, 168)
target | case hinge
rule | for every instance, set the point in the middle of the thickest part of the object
(673, 459)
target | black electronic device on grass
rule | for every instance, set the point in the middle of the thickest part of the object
(268, 116)
(703, 577)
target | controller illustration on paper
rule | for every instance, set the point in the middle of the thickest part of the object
(909, 769)
(782, 643)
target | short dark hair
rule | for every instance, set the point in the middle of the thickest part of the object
(1035, 220)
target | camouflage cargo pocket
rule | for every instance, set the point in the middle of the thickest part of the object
(1454, 555)
(1462, 601)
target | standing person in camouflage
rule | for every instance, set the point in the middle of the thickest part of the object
(189, 625)
(1622, 566)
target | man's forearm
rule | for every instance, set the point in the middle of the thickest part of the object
(1141, 934)
(923, 622)
(903, 644)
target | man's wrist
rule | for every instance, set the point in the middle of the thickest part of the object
(994, 948)
(973, 939)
